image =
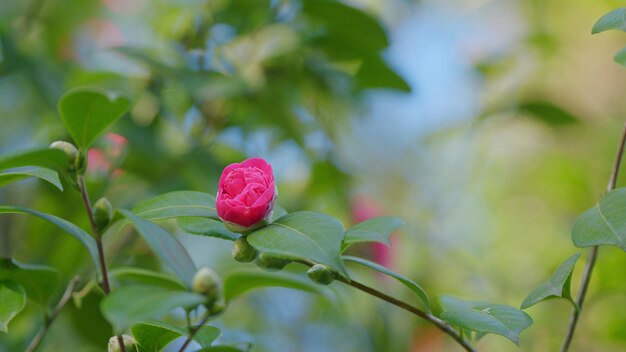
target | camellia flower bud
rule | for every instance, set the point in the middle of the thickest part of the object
(271, 263)
(208, 283)
(129, 343)
(242, 251)
(102, 213)
(69, 149)
(321, 274)
(246, 195)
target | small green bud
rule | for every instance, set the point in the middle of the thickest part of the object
(69, 149)
(208, 283)
(271, 263)
(102, 213)
(129, 343)
(242, 251)
(321, 274)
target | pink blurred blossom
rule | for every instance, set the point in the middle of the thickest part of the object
(104, 160)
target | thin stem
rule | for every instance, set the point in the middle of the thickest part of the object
(194, 331)
(593, 255)
(49, 318)
(440, 324)
(96, 234)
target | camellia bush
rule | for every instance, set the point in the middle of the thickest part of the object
(144, 306)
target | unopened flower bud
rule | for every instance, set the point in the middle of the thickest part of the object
(129, 343)
(271, 263)
(321, 274)
(242, 251)
(102, 213)
(208, 283)
(69, 149)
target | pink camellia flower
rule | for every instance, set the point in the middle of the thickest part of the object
(246, 194)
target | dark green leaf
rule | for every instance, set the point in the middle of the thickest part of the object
(604, 223)
(547, 112)
(130, 305)
(240, 282)
(376, 73)
(302, 235)
(557, 286)
(615, 19)
(373, 230)
(206, 227)
(14, 175)
(417, 289)
(12, 301)
(485, 317)
(145, 277)
(363, 37)
(39, 282)
(68, 227)
(165, 245)
(177, 204)
(154, 336)
(88, 111)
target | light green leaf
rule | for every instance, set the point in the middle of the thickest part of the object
(130, 275)
(165, 245)
(206, 335)
(240, 282)
(154, 336)
(130, 305)
(302, 235)
(278, 213)
(417, 289)
(605, 223)
(39, 282)
(557, 286)
(485, 317)
(620, 57)
(373, 230)
(615, 19)
(88, 111)
(177, 204)
(67, 226)
(12, 301)
(14, 175)
(206, 227)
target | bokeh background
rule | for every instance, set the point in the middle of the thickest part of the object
(488, 125)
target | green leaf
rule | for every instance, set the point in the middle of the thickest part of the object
(240, 282)
(12, 301)
(220, 348)
(165, 245)
(620, 57)
(206, 227)
(88, 111)
(39, 282)
(363, 37)
(376, 73)
(557, 286)
(373, 230)
(604, 223)
(75, 231)
(48, 175)
(130, 305)
(417, 289)
(153, 336)
(206, 335)
(547, 112)
(615, 19)
(177, 204)
(485, 317)
(43, 163)
(129, 275)
(302, 235)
